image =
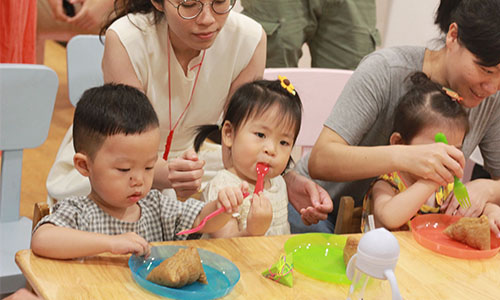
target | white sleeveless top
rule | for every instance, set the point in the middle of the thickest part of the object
(231, 52)
(229, 55)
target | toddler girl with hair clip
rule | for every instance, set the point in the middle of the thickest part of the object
(261, 124)
(426, 109)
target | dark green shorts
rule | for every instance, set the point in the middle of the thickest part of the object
(339, 33)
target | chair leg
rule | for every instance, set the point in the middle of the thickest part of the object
(344, 217)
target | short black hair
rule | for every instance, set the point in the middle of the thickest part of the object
(109, 110)
(478, 26)
(426, 103)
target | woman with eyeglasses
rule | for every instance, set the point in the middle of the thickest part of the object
(188, 57)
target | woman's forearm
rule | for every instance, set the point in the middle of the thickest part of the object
(335, 160)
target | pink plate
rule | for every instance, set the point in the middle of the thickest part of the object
(428, 231)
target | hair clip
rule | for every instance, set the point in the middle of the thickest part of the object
(452, 94)
(286, 84)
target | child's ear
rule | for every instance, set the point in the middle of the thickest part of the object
(227, 134)
(396, 139)
(81, 162)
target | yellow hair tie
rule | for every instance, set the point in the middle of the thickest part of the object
(286, 84)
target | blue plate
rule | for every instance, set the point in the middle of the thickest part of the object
(222, 274)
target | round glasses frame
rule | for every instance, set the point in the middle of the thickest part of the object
(201, 5)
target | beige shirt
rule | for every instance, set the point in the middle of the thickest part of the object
(223, 62)
(276, 194)
(229, 55)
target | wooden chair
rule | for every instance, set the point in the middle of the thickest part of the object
(40, 210)
(349, 217)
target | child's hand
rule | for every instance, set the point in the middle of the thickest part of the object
(232, 197)
(260, 215)
(492, 211)
(129, 242)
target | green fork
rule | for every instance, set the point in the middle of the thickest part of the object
(459, 188)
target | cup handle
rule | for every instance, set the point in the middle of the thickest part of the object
(389, 274)
(349, 271)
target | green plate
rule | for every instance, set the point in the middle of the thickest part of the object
(319, 255)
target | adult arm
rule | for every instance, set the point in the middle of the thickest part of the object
(436, 162)
(92, 14)
(255, 68)
(349, 148)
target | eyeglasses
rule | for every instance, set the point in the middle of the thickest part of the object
(190, 9)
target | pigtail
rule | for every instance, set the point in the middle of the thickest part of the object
(203, 132)
(420, 79)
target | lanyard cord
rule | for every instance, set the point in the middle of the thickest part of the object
(171, 133)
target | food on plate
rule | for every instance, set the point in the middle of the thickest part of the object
(350, 248)
(182, 268)
(474, 232)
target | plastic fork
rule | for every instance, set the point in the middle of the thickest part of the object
(261, 169)
(459, 188)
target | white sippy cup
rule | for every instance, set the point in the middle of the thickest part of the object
(377, 255)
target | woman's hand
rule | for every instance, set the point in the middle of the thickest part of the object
(57, 9)
(308, 198)
(480, 191)
(492, 211)
(260, 215)
(185, 174)
(437, 162)
(92, 14)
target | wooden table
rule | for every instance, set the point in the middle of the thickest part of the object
(421, 274)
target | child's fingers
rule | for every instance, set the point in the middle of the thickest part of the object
(244, 187)
(148, 251)
(224, 200)
(142, 245)
(264, 201)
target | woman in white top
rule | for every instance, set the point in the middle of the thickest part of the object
(188, 57)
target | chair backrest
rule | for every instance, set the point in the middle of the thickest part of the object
(349, 217)
(318, 89)
(84, 57)
(27, 96)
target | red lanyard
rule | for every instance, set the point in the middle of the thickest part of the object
(171, 134)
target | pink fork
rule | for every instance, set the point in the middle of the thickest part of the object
(262, 170)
